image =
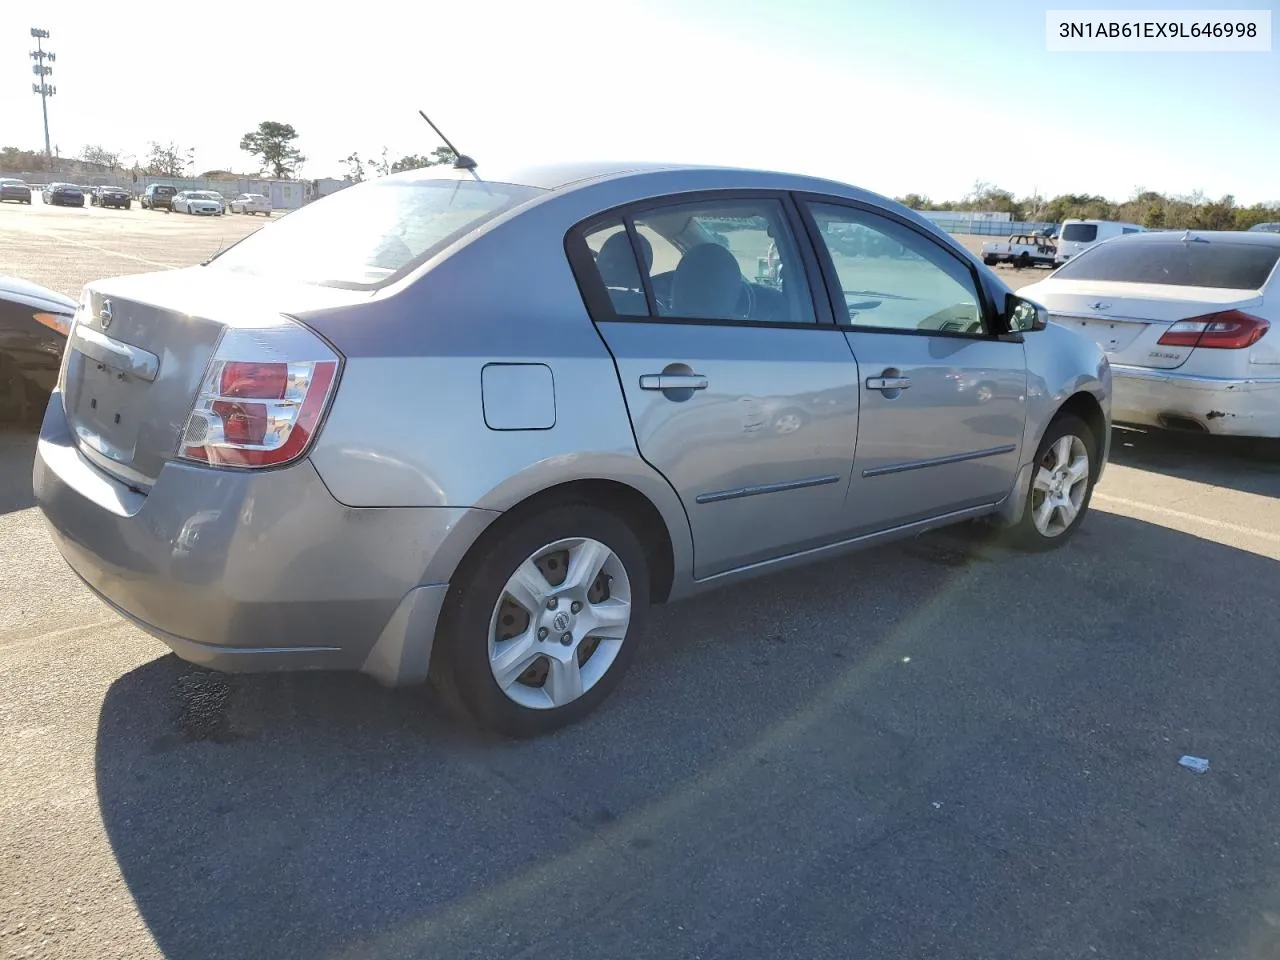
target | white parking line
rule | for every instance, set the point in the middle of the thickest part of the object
(1189, 517)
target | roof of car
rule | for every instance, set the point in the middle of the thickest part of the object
(561, 176)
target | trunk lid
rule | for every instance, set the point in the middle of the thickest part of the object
(1127, 320)
(139, 350)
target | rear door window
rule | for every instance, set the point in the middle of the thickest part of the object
(732, 259)
(1080, 232)
(1196, 263)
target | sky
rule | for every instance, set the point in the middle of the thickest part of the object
(895, 96)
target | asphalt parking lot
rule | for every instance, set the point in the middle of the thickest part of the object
(936, 749)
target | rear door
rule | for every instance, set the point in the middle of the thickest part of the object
(942, 393)
(741, 391)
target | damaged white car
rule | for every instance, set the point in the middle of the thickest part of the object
(1186, 319)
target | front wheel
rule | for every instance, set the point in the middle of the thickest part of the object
(1062, 481)
(540, 629)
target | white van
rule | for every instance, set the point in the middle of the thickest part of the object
(1079, 235)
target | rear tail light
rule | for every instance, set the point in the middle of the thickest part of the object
(1229, 330)
(263, 398)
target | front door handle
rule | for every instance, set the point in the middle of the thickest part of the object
(672, 381)
(888, 383)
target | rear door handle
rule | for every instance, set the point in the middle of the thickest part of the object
(672, 381)
(888, 383)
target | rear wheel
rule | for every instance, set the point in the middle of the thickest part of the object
(539, 630)
(1061, 485)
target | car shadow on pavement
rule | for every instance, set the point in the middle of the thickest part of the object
(845, 760)
(17, 451)
(1237, 463)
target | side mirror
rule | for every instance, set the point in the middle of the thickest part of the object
(1024, 316)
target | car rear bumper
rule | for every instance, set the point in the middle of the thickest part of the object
(1248, 407)
(265, 571)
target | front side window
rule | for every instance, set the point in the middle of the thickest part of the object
(892, 278)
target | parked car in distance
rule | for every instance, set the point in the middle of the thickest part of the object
(110, 196)
(34, 322)
(1022, 250)
(204, 203)
(15, 190)
(1076, 236)
(158, 196)
(251, 203)
(1265, 227)
(598, 438)
(1187, 319)
(62, 195)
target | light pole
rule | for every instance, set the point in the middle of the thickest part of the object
(42, 70)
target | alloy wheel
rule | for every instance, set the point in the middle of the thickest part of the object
(559, 623)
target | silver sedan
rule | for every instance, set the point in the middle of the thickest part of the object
(468, 425)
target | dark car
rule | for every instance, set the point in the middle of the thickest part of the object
(111, 197)
(63, 195)
(34, 322)
(159, 196)
(14, 190)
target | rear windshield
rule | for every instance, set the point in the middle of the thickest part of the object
(1215, 263)
(167, 191)
(366, 235)
(1080, 232)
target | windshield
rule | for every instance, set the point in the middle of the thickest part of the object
(1080, 232)
(1196, 263)
(363, 236)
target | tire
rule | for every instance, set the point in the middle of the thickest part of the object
(1030, 534)
(990, 261)
(479, 610)
(1023, 262)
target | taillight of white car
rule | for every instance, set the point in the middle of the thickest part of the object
(263, 398)
(1228, 330)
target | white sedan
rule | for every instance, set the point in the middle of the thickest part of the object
(203, 202)
(251, 203)
(1186, 319)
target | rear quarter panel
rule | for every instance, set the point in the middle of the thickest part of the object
(408, 428)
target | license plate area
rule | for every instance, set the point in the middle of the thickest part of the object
(1113, 336)
(103, 408)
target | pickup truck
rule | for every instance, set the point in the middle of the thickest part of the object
(1022, 250)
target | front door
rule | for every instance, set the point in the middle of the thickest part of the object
(739, 393)
(943, 398)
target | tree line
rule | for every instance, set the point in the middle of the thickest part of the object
(1193, 211)
(271, 144)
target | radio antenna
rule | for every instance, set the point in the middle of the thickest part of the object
(461, 161)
